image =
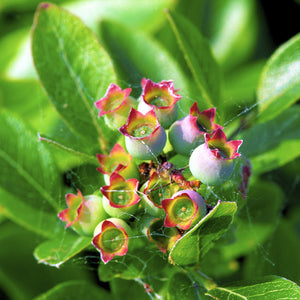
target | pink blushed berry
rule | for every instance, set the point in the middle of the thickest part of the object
(213, 162)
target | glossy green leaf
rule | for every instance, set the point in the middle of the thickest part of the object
(57, 251)
(75, 290)
(16, 260)
(257, 219)
(74, 70)
(270, 287)
(279, 85)
(145, 15)
(269, 135)
(136, 55)
(196, 242)
(199, 58)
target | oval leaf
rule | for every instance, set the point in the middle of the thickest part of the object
(270, 287)
(73, 68)
(57, 251)
(136, 55)
(199, 58)
(196, 242)
(279, 85)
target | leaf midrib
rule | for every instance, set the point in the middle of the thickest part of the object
(14, 164)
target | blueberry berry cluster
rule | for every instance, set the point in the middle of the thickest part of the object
(144, 193)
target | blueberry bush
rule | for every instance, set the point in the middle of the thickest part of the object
(148, 150)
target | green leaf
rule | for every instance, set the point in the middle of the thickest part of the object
(199, 58)
(269, 135)
(287, 151)
(279, 85)
(280, 254)
(232, 28)
(74, 70)
(183, 287)
(57, 251)
(28, 176)
(136, 55)
(270, 287)
(257, 220)
(33, 218)
(128, 289)
(141, 263)
(196, 242)
(16, 260)
(75, 290)
(144, 15)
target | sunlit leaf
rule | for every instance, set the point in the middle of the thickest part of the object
(196, 242)
(143, 14)
(279, 85)
(73, 68)
(270, 287)
(199, 58)
(57, 251)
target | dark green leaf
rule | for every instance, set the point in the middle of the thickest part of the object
(280, 254)
(279, 85)
(140, 263)
(199, 58)
(196, 242)
(136, 55)
(73, 68)
(183, 287)
(75, 290)
(20, 276)
(257, 220)
(57, 251)
(270, 287)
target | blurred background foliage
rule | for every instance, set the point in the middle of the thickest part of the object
(243, 34)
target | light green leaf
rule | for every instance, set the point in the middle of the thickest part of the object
(269, 135)
(74, 70)
(270, 287)
(196, 242)
(32, 217)
(136, 55)
(233, 30)
(75, 290)
(287, 151)
(57, 251)
(279, 85)
(199, 58)
(143, 14)
(28, 176)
